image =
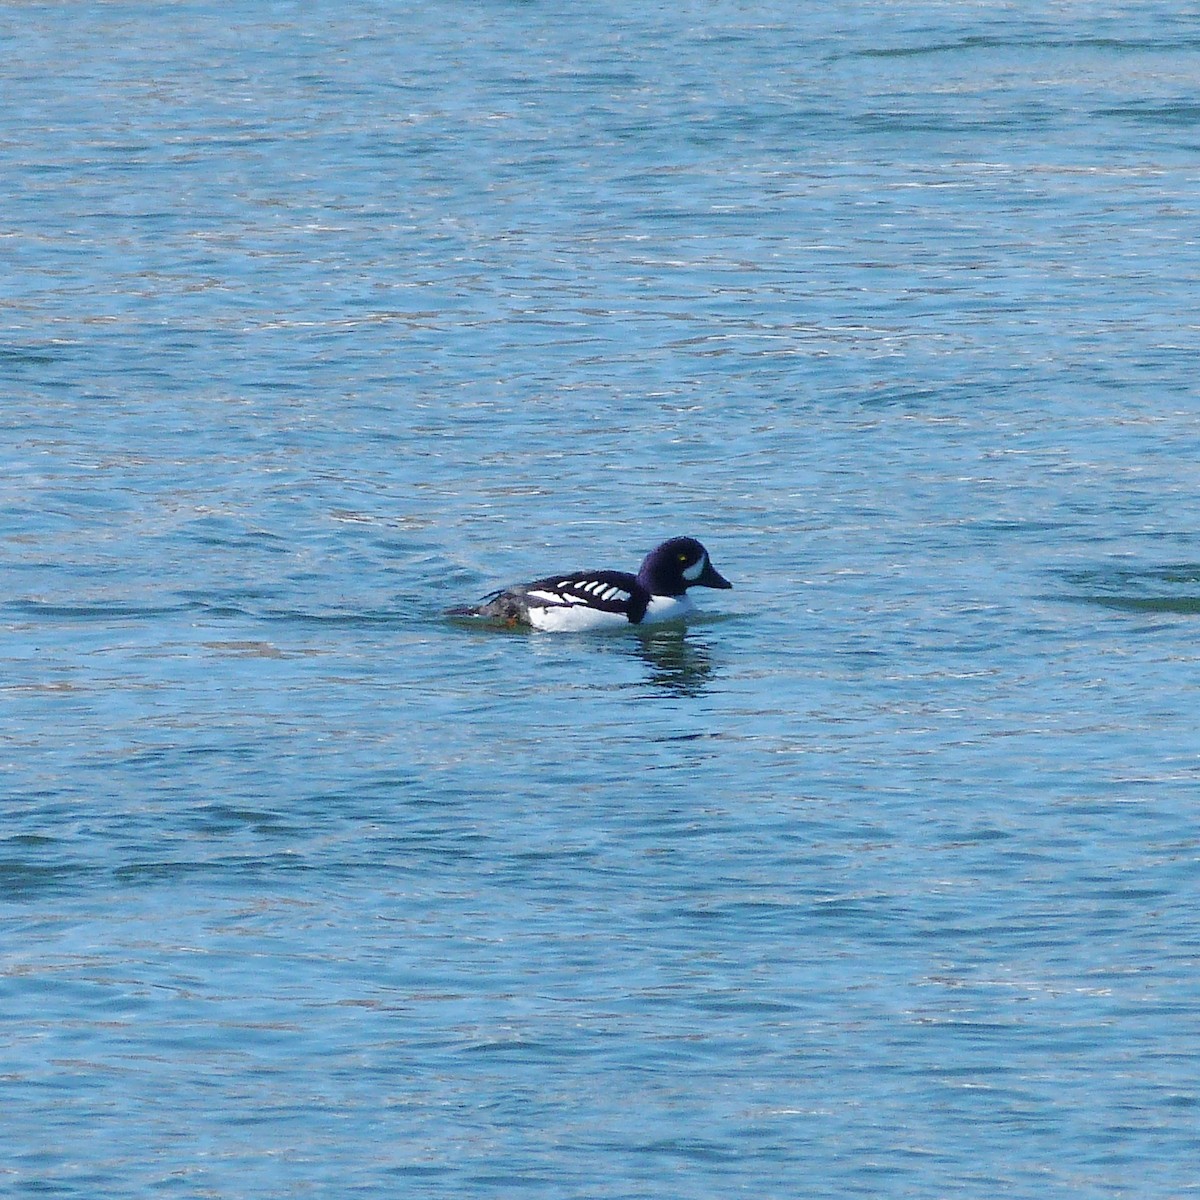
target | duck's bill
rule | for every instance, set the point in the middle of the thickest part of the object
(713, 578)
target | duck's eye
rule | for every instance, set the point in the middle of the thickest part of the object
(683, 558)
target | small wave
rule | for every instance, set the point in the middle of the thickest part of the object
(99, 610)
(1170, 588)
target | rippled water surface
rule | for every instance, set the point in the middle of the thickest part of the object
(880, 880)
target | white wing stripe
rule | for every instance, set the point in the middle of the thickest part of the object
(578, 591)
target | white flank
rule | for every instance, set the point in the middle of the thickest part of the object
(575, 620)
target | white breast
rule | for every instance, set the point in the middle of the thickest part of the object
(668, 608)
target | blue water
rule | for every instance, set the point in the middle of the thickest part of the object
(881, 880)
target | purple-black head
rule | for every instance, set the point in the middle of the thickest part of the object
(676, 565)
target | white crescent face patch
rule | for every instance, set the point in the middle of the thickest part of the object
(692, 573)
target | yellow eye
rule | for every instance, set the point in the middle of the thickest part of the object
(683, 558)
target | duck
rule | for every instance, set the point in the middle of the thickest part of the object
(575, 601)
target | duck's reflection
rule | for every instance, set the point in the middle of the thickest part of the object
(679, 662)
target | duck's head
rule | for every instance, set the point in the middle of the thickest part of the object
(676, 565)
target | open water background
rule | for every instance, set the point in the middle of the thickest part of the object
(881, 881)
